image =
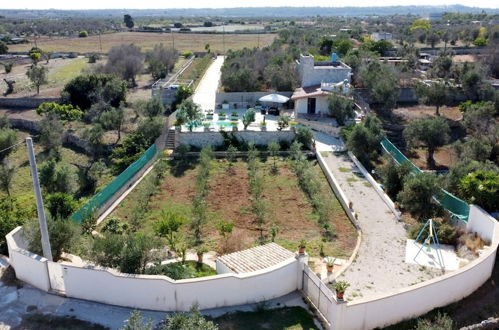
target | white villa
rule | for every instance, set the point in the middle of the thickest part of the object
(317, 80)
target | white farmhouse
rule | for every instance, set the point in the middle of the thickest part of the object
(317, 80)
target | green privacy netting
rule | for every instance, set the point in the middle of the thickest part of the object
(103, 196)
(456, 207)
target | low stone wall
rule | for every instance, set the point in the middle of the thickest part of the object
(243, 99)
(201, 139)
(25, 102)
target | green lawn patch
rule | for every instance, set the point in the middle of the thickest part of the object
(292, 318)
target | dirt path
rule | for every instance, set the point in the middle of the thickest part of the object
(379, 267)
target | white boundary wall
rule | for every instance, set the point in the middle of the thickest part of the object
(340, 195)
(150, 291)
(388, 201)
(421, 298)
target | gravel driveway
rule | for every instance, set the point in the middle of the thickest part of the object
(379, 267)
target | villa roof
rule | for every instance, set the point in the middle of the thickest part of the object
(311, 91)
(257, 258)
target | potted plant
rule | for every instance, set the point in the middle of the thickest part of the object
(200, 251)
(341, 287)
(206, 126)
(301, 246)
(293, 125)
(222, 115)
(209, 116)
(263, 126)
(330, 264)
(225, 105)
(234, 115)
(234, 125)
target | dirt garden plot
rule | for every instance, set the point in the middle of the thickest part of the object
(289, 210)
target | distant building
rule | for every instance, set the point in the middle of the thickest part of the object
(435, 16)
(317, 81)
(377, 36)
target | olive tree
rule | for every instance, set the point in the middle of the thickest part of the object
(430, 134)
(38, 76)
(417, 196)
(434, 94)
(340, 107)
(126, 61)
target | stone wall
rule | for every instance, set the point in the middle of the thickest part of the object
(25, 102)
(201, 139)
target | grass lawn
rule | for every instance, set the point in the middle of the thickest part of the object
(60, 71)
(179, 270)
(62, 74)
(291, 318)
(228, 199)
(146, 40)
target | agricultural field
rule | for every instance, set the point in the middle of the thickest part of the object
(60, 71)
(229, 199)
(146, 40)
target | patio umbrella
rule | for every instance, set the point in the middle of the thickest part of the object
(276, 98)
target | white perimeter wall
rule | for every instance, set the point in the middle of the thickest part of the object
(421, 298)
(29, 267)
(150, 291)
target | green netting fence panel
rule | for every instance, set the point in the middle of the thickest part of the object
(103, 196)
(456, 207)
(397, 155)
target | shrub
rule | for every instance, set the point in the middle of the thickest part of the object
(83, 34)
(61, 205)
(305, 136)
(64, 112)
(85, 90)
(63, 233)
(447, 233)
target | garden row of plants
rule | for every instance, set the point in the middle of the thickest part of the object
(312, 187)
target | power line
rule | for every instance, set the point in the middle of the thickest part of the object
(12, 146)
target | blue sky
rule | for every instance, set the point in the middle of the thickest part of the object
(143, 4)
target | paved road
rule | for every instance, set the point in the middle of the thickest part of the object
(380, 264)
(207, 88)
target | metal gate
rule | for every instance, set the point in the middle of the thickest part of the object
(317, 292)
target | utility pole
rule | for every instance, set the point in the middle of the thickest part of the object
(223, 36)
(100, 42)
(47, 252)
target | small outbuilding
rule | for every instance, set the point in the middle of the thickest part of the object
(253, 259)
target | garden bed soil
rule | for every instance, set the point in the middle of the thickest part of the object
(229, 199)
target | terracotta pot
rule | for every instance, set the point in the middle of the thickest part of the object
(329, 269)
(200, 258)
(301, 250)
(340, 295)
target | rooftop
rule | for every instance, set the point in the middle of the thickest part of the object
(257, 258)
